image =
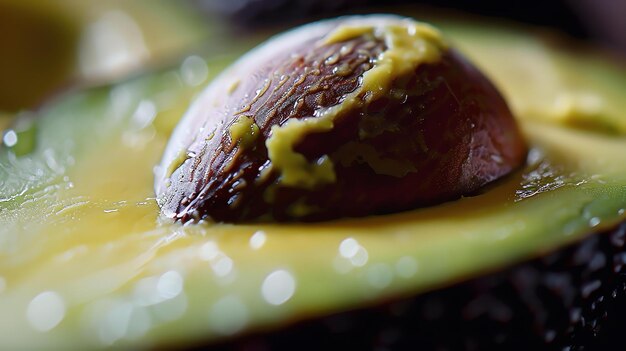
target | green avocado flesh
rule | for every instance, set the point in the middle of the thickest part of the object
(48, 45)
(85, 262)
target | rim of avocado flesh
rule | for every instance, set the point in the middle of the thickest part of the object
(85, 262)
(571, 299)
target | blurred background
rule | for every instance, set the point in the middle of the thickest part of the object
(52, 46)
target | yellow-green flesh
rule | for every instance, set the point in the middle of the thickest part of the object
(48, 45)
(85, 263)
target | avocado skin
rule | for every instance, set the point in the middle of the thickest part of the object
(571, 299)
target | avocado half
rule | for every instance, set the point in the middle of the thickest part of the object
(534, 260)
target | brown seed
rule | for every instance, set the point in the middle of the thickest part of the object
(349, 117)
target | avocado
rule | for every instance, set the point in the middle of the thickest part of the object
(50, 46)
(29, 35)
(367, 122)
(86, 263)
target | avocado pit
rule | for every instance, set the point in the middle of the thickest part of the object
(343, 118)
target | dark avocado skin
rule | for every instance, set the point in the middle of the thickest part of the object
(572, 299)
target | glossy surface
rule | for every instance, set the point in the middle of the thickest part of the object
(349, 117)
(84, 262)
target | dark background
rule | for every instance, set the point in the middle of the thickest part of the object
(602, 21)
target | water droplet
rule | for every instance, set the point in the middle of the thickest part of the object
(222, 265)
(52, 161)
(144, 114)
(348, 247)
(332, 59)
(194, 70)
(45, 311)
(593, 222)
(278, 287)
(170, 284)
(115, 323)
(228, 315)
(10, 138)
(379, 275)
(257, 240)
(497, 159)
(208, 251)
(534, 156)
(620, 212)
(145, 292)
(360, 258)
(22, 137)
(406, 266)
(353, 251)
